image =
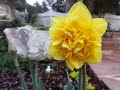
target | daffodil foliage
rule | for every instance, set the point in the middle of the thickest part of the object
(76, 38)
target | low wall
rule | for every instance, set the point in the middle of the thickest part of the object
(114, 21)
(44, 18)
(43, 21)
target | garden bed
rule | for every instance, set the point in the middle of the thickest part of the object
(56, 79)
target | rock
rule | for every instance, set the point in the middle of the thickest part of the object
(29, 42)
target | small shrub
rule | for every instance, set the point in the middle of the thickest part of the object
(5, 24)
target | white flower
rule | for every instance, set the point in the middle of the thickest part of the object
(48, 69)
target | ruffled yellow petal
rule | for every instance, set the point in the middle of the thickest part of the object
(57, 19)
(76, 62)
(70, 66)
(79, 9)
(56, 42)
(65, 45)
(76, 38)
(53, 51)
(79, 13)
(68, 33)
(95, 57)
(99, 25)
(56, 33)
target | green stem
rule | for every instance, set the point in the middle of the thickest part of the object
(36, 75)
(33, 76)
(13, 51)
(82, 82)
(69, 82)
(14, 54)
(80, 79)
(19, 71)
(84, 77)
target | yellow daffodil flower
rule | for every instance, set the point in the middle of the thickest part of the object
(76, 38)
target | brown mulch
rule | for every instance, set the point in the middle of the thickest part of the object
(56, 79)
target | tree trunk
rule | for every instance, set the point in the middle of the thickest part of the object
(13, 13)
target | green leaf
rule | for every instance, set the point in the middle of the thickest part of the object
(36, 75)
(90, 87)
(33, 77)
(74, 74)
(21, 78)
(50, 88)
(65, 87)
(69, 85)
(41, 85)
(88, 78)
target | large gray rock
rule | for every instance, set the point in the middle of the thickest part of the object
(29, 42)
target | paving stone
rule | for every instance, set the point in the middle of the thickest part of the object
(109, 69)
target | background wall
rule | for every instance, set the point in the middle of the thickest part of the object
(44, 18)
(114, 21)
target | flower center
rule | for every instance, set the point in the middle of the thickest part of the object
(73, 41)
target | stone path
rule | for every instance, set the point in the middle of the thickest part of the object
(109, 69)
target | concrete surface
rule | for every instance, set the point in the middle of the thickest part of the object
(109, 69)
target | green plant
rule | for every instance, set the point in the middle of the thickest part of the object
(75, 75)
(30, 18)
(17, 21)
(90, 87)
(103, 6)
(6, 61)
(4, 25)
